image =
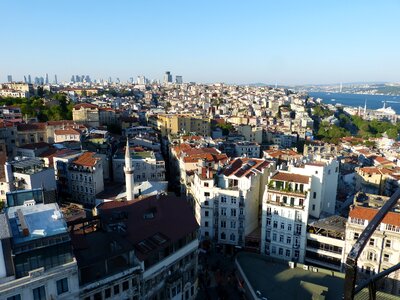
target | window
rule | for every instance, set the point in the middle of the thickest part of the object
(116, 289)
(39, 293)
(233, 212)
(233, 224)
(206, 194)
(289, 227)
(206, 184)
(314, 195)
(274, 236)
(275, 224)
(107, 293)
(223, 211)
(282, 225)
(280, 251)
(289, 240)
(206, 203)
(281, 238)
(356, 235)
(372, 242)
(371, 256)
(62, 286)
(386, 257)
(233, 200)
(241, 211)
(15, 297)
(206, 213)
(268, 222)
(206, 224)
(232, 237)
(206, 233)
(223, 236)
(125, 285)
(273, 250)
(223, 199)
(97, 296)
(313, 207)
(287, 252)
(223, 224)
(388, 243)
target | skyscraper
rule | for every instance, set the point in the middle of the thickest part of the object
(73, 79)
(9, 78)
(55, 79)
(25, 79)
(178, 79)
(47, 78)
(167, 77)
(29, 78)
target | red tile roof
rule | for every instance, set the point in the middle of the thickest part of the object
(85, 105)
(66, 131)
(31, 127)
(87, 159)
(245, 167)
(291, 177)
(367, 213)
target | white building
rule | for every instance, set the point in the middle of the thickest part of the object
(383, 248)
(148, 166)
(227, 208)
(85, 174)
(285, 215)
(247, 149)
(324, 187)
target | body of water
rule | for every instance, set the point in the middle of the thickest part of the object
(356, 100)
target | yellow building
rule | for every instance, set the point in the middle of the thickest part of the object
(174, 124)
(87, 114)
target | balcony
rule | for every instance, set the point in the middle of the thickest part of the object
(287, 191)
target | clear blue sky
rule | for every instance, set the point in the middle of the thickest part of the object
(288, 42)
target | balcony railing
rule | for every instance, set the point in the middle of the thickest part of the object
(352, 288)
(287, 190)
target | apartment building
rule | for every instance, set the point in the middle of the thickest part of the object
(174, 124)
(247, 149)
(147, 165)
(383, 248)
(145, 249)
(227, 202)
(285, 215)
(86, 113)
(85, 178)
(36, 259)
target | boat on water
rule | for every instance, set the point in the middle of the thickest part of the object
(333, 99)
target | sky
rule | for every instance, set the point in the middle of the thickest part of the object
(283, 42)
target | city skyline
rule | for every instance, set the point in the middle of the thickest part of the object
(287, 43)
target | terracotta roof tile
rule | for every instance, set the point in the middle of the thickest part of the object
(367, 213)
(87, 159)
(291, 177)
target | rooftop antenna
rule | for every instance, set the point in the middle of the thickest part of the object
(341, 87)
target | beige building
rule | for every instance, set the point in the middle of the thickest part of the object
(87, 114)
(173, 124)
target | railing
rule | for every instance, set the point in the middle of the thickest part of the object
(287, 191)
(351, 287)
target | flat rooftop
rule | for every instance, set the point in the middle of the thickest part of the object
(41, 221)
(276, 281)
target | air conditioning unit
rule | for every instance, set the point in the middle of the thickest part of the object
(305, 267)
(292, 264)
(315, 269)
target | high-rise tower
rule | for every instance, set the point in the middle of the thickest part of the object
(128, 173)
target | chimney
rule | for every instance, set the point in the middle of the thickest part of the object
(23, 226)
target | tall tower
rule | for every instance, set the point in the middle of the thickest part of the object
(128, 173)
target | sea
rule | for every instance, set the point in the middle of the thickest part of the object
(356, 100)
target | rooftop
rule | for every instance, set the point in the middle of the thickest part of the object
(276, 281)
(291, 177)
(152, 222)
(245, 167)
(42, 220)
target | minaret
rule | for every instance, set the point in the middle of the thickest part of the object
(128, 173)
